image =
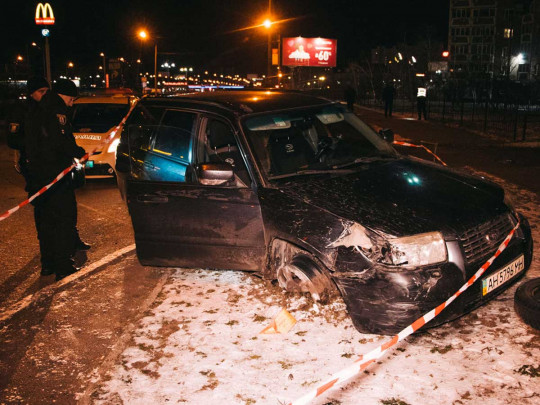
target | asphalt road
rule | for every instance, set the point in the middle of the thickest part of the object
(53, 343)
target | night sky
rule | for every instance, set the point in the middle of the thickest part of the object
(202, 33)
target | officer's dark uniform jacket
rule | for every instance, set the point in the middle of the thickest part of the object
(49, 142)
(21, 113)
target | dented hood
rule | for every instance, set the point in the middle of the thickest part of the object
(401, 197)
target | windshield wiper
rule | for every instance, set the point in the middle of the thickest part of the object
(367, 159)
(304, 173)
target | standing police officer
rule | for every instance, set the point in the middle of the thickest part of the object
(36, 87)
(421, 95)
(50, 148)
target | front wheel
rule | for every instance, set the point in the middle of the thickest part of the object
(302, 275)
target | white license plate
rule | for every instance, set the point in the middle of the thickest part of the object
(501, 276)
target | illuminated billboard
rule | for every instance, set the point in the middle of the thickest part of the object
(309, 52)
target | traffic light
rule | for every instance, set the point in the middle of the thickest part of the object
(445, 54)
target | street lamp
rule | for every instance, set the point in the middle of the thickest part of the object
(143, 35)
(268, 25)
(69, 66)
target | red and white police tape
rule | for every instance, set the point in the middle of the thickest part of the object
(364, 361)
(67, 169)
(412, 145)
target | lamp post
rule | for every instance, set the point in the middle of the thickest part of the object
(34, 45)
(155, 68)
(143, 35)
(268, 26)
(69, 66)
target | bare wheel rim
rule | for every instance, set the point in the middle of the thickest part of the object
(294, 279)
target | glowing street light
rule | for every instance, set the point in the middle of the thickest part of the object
(268, 25)
(19, 58)
(143, 35)
(69, 66)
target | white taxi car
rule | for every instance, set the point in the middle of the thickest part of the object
(96, 120)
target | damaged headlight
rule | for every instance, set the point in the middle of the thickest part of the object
(416, 250)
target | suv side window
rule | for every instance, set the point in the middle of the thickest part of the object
(219, 145)
(173, 136)
(169, 155)
(135, 139)
(160, 149)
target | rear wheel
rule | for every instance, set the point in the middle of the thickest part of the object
(527, 302)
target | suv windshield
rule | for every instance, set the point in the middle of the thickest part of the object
(312, 140)
(97, 117)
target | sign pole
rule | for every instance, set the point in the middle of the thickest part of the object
(45, 16)
(47, 60)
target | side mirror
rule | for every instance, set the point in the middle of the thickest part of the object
(214, 174)
(387, 134)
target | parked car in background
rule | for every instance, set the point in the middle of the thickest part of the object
(301, 191)
(95, 125)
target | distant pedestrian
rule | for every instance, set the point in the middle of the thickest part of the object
(50, 148)
(421, 97)
(388, 97)
(36, 87)
(350, 97)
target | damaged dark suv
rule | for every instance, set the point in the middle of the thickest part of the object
(296, 188)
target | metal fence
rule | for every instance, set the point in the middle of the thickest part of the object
(508, 121)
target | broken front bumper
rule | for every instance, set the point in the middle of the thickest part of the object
(384, 301)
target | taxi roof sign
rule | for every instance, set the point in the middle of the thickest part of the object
(44, 14)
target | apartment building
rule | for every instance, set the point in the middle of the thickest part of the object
(493, 38)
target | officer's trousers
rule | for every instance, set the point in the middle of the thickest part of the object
(55, 214)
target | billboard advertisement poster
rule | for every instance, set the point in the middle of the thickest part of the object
(309, 52)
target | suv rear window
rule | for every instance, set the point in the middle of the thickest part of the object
(99, 118)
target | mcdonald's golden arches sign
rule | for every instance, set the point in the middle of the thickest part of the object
(44, 14)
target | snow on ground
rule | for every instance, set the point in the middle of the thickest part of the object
(200, 344)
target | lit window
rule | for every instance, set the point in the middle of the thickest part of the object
(508, 32)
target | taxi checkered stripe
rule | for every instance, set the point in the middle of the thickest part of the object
(65, 171)
(365, 360)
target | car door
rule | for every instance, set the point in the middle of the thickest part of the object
(179, 222)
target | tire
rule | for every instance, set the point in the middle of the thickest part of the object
(302, 275)
(527, 302)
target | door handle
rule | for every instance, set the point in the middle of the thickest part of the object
(149, 165)
(152, 198)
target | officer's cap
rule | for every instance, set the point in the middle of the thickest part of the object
(36, 83)
(65, 87)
